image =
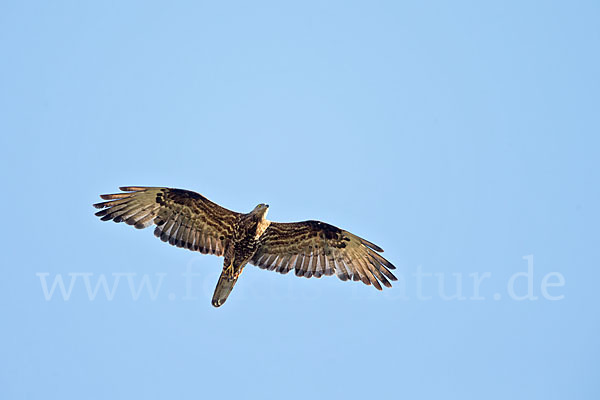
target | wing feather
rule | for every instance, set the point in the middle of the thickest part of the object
(314, 248)
(182, 218)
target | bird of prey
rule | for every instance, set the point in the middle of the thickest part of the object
(187, 219)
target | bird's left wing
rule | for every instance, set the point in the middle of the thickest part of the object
(314, 248)
(182, 217)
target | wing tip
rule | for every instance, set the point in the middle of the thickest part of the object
(371, 245)
(365, 242)
(113, 196)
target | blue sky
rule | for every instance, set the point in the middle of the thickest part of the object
(462, 137)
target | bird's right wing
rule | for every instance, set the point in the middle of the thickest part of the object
(183, 218)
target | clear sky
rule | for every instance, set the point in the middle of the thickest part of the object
(462, 137)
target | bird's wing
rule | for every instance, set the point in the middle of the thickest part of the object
(183, 218)
(314, 248)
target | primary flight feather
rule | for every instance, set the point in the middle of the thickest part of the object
(187, 219)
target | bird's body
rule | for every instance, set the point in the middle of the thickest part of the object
(246, 234)
(187, 219)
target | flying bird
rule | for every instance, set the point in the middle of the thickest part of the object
(189, 220)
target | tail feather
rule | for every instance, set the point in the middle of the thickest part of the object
(224, 287)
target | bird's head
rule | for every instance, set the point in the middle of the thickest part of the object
(261, 210)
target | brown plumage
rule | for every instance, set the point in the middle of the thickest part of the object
(188, 219)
